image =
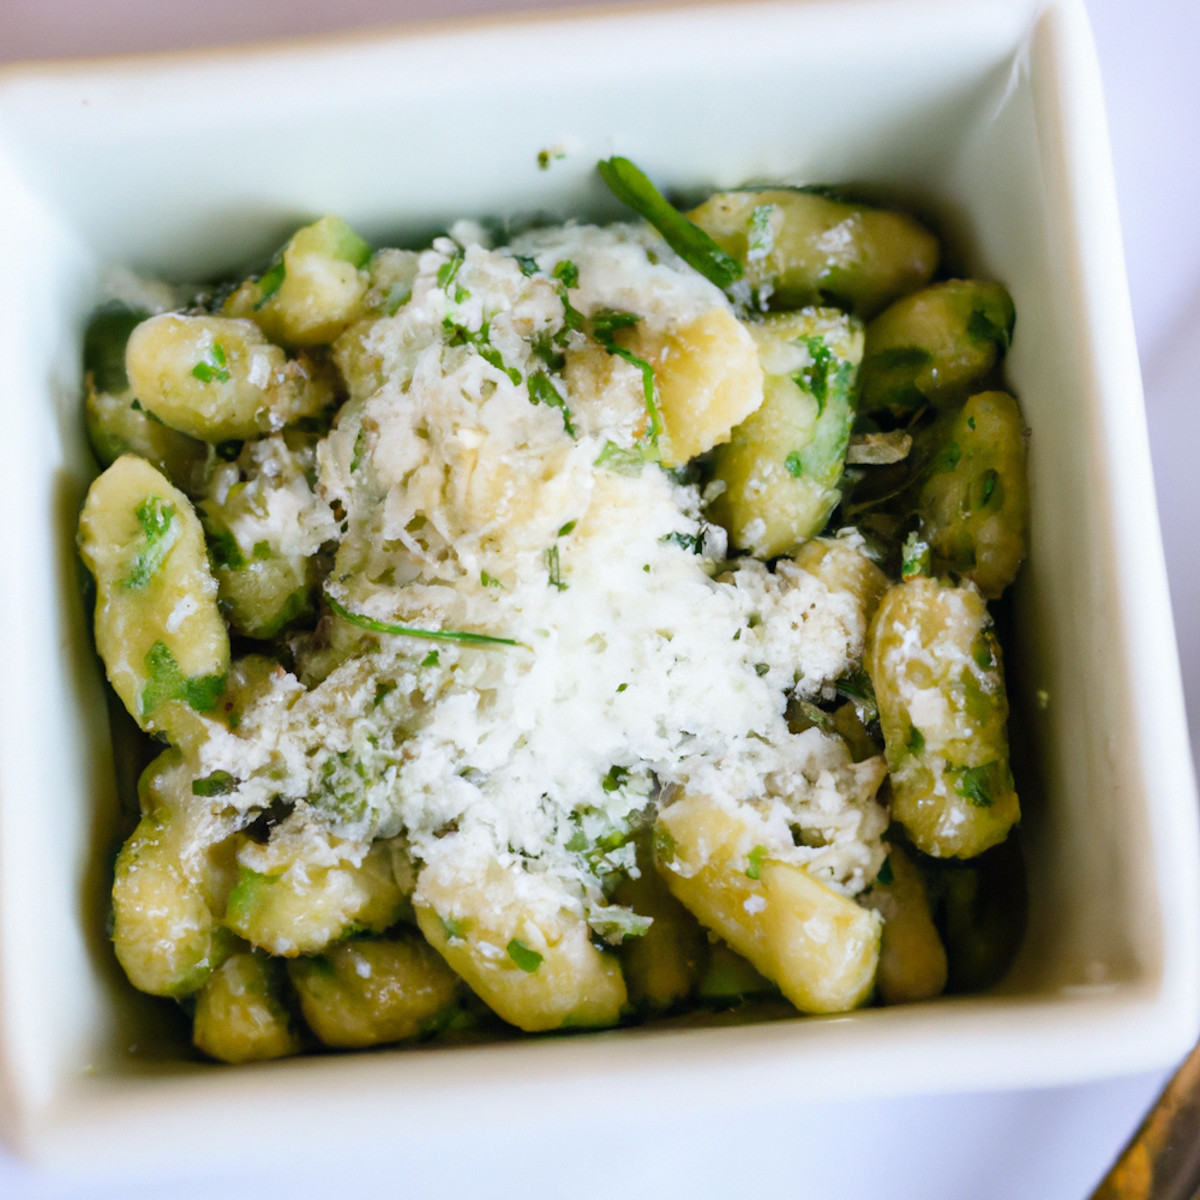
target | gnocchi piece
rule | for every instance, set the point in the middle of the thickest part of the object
(819, 947)
(219, 379)
(313, 290)
(707, 377)
(800, 247)
(912, 959)
(974, 505)
(934, 659)
(158, 629)
(240, 1014)
(782, 465)
(302, 902)
(519, 941)
(169, 878)
(932, 346)
(368, 992)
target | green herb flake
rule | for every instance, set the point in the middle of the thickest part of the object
(975, 784)
(455, 927)
(449, 270)
(760, 669)
(383, 689)
(916, 558)
(664, 845)
(430, 660)
(915, 742)
(528, 265)
(981, 328)
(489, 580)
(271, 281)
(219, 783)
(542, 391)
(794, 464)
(362, 621)
(759, 237)
(165, 681)
(160, 531)
(565, 529)
(693, 542)
(567, 273)
(815, 377)
(528, 960)
(990, 479)
(360, 444)
(606, 323)
(621, 687)
(554, 568)
(616, 779)
(213, 368)
(754, 862)
(631, 186)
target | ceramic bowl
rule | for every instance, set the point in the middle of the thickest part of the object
(985, 114)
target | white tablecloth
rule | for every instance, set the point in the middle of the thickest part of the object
(1045, 1145)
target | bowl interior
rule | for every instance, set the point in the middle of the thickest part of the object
(191, 167)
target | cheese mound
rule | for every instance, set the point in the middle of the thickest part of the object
(491, 476)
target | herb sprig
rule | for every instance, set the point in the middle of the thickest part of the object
(437, 635)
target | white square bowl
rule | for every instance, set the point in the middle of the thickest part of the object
(987, 114)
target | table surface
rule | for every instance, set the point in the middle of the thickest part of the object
(1052, 1144)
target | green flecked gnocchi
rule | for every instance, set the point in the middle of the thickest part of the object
(373, 991)
(934, 660)
(164, 645)
(781, 466)
(240, 1013)
(219, 378)
(974, 506)
(933, 346)
(801, 247)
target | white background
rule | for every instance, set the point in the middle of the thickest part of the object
(1047, 1145)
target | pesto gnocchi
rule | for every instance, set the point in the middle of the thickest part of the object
(561, 634)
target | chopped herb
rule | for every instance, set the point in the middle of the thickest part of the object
(430, 660)
(224, 550)
(529, 266)
(885, 875)
(157, 519)
(664, 845)
(542, 391)
(915, 557)
(689, 241)
(567, 273)
(794, 464)
(528, 960)
(219, 783)
(165, 681)
(383, 689)
(982, 653)
(460, 335)
(554, 567)
(449, 269)
(761, 240)
(686, 541)
(915, 743)
(489, 580)
(566, 529)
(606, 323)
(760, 669)
(214, 367)
(398, 294)
(271, 281)
(360, 443)
(261, 551)
(455, 927)
(975, 784)
(546, 157)
(754, 859)
(621, 687)
(624, 462)
(815, 377)
(981, 328)
(990, 479)
(970, 422)
(543, 347)
(441, 635)
(616, 779)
